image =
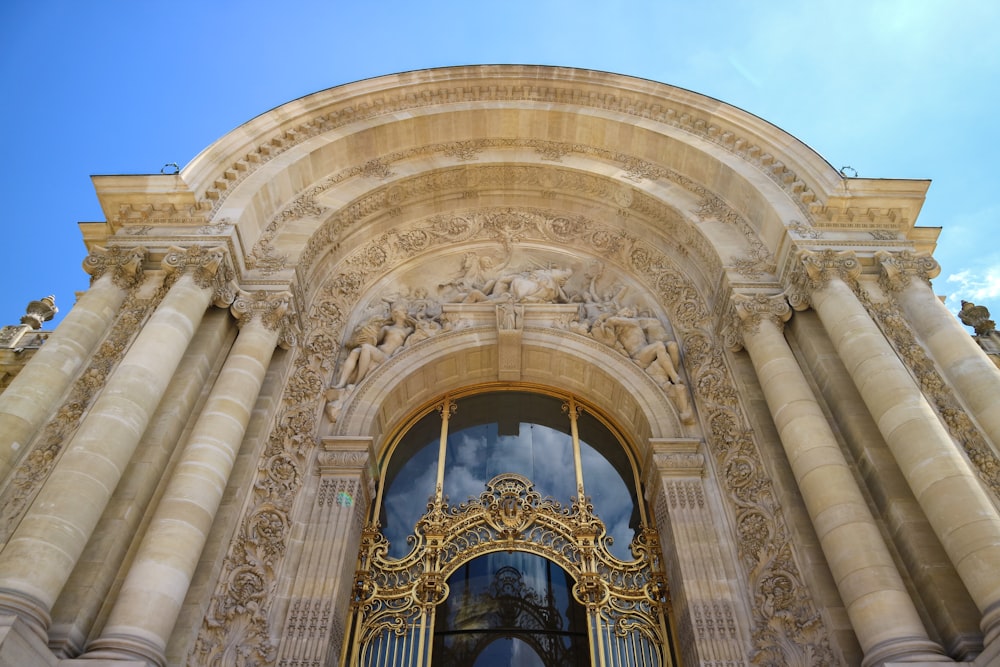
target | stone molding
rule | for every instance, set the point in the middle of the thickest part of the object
(389, 198)
(634, 103)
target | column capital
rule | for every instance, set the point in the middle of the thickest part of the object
(675, 457)
(272, 309)
(899, 268)
(124, 264)
(816, 270)
(748, 311)
(206, 266)
(340, 455)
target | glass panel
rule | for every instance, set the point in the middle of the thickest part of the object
(511, 609)
(613, 500)
(409, 482)
(509, 432)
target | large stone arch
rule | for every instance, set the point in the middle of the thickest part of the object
(360, 194)
(346, 198)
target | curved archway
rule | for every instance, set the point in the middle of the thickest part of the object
(372, 195)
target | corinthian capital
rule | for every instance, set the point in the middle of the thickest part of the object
(272, 309)
(206, 266)
(899, 268)
(125, 264)
(750, 311)
(816, 269)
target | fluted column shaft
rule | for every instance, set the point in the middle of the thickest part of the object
(41, 554)
(881, 611)
(31, 396)
(151, 596)
(963, 362)
(957, 507)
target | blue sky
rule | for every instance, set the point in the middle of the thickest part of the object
(894, 89)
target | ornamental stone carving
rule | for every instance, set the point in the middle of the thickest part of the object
(208, 267)
(125, 264)
(272, 309)
(899, 268)
(816, 269)
(749, 311)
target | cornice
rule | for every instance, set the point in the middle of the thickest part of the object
(713, 122)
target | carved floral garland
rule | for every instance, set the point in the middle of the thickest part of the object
(788, 628)
(265, 258)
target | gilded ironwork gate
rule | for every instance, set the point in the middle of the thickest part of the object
(395, 600)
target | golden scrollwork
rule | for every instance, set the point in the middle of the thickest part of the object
(626, 601)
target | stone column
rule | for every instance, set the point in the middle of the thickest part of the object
(151, 596)
(41, 554)
(957, 507)
(29, 399)
(317, 615)
(705, 597)
(881, 611)
(970, 371)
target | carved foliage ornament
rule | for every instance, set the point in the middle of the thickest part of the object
(125, 265)
(899, 268)
(750, 311)
(272, 309)
(207, 267)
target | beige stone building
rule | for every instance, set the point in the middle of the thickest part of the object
(502, 365)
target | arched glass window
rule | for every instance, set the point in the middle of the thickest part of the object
(503, 534)
(524, 433)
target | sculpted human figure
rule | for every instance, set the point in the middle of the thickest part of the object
(374, 344)
(624, 329)
(533, 286)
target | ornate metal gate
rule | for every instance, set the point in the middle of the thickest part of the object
(395, 600)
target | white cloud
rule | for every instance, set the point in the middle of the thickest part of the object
(975, 285)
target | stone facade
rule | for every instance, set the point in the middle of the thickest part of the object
(816, 436)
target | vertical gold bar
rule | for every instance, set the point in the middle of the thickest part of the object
(573, 410)
(447, 409)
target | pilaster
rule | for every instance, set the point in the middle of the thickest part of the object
(704, 597)
(319, 608)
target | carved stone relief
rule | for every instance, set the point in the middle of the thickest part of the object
(787, 627)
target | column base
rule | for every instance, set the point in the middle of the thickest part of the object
(20, 645)
(989, 657)
(909, 651)
(131, 649)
